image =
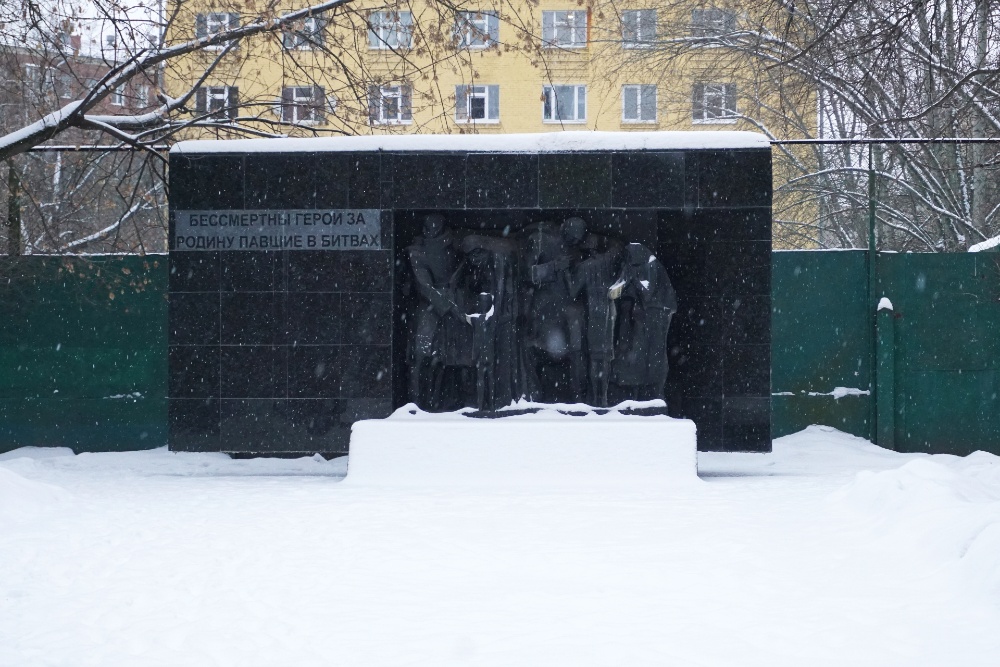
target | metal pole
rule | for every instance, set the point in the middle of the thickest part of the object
(885, 384)
(14, 241)
(872, 286)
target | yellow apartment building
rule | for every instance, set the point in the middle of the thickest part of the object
(523, 66)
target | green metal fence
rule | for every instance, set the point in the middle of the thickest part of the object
(938, 367)
(83, 352)
(83, 345)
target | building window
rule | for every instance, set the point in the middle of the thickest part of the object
(477, 104)
(390, 30)
(32, 76)
(118, 96)
(638, 28)
(639, 104)
(476, 30)
(212, 23)
(304, 34)
(66, 86)
(564, 104)
(712, 22)
(565, 29)
(142, 97)
(714, 103)
(303, 105)
(220, 101)
(389, 105)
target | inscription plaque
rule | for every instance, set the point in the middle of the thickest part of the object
(296, 229)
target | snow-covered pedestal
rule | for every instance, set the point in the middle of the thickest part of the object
(547, 448)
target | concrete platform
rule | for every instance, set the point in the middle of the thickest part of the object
(547, 448)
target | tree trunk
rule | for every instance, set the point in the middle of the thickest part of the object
(980, 208)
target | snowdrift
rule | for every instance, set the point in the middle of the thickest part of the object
(23, 499)
(944, 507)
(542, 449)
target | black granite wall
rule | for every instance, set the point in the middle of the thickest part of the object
(280, 351)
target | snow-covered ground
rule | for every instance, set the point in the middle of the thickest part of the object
(827, 552)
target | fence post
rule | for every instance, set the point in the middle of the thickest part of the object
(872, 286)
(13, 210)
(885, 375)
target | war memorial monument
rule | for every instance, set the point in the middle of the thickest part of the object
(318, 282)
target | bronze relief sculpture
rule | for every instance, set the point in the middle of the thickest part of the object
(556, 311)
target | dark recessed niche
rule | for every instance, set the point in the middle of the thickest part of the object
(282, 349)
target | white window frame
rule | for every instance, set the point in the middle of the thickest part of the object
(550, 104)
(645, 30)
(216, 22)
(637, 90)
(397, 93)
(565, 29)
(306, 37)
(390, 29)
(141, 96)
(473, 30)
(304, 108)
(118, 96)
(712, 21)
(478, 92)
(718, 92)
(220, 95)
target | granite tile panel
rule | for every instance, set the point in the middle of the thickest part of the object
(194, 424)
(318, 425)
(648, 179)
(332, 174)
(194, 318)
(574, 180)
(427, 180)
(193, 271)
(204, 182)
(739, 268)
(254, 371)
(366, 270)
(502, 180)
(364, 181)
(276, 181)
(315, 319)
(734, 178)
(747, 370)
(369, 318)
(365, 371)
(696, 369)
(252, 318)
(252, 271)
(193, 371)
(315, 371)
(315, 271)
(747, 424)
(746, 320)
(699, 320)
(254, 425)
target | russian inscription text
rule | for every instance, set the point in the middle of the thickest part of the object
(299, 229)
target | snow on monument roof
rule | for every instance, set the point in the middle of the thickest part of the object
(541, 142)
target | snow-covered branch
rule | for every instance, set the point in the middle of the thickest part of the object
(76, 114)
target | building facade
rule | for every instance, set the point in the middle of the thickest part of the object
(428, 67)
